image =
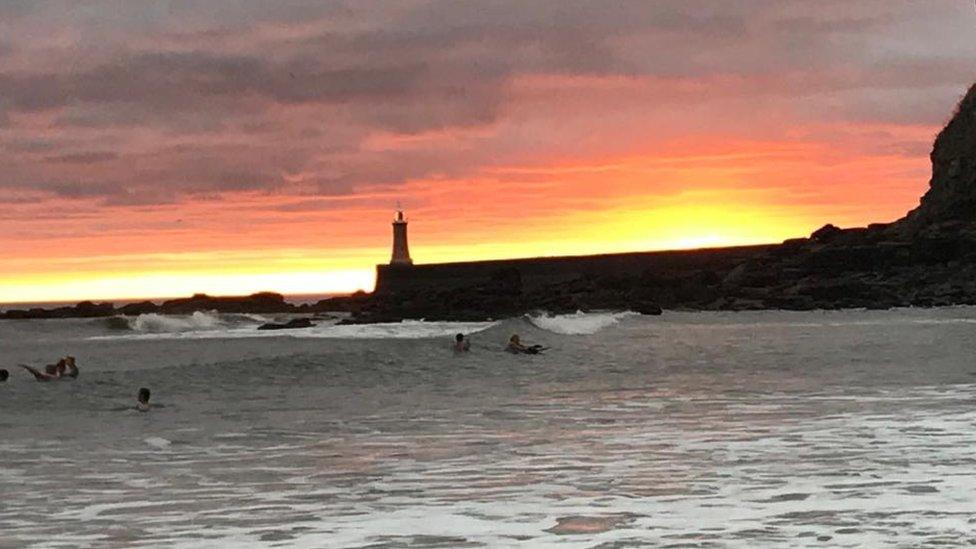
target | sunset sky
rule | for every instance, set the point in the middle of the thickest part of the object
(154, 149)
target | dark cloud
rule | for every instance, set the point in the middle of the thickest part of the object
(161, 101)
(175, 81)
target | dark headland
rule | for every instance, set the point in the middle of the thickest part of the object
(925, 259)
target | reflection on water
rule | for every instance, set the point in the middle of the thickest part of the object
(688, 430)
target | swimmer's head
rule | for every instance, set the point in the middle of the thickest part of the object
(514, 338)
(459, 338)
(4, 374)
(143, 396)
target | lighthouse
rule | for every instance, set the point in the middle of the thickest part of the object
(401, 252)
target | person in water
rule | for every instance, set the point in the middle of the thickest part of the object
(142, 400)
(4, 374)
(53, 372)
(52, 369)
(515, 346)
(70, 368)
(461, 344)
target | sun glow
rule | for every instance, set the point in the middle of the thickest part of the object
(673, 196)
(138, 285)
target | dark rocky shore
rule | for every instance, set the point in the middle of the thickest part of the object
(927, 258)
(260, 303)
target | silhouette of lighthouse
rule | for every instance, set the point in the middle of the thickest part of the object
(401, 252)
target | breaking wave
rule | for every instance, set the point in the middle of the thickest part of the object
(578, 323)
(407, 329)
(213, 325)
(153, 323)
(216, 326)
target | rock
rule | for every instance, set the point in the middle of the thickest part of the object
(87, 309)
(737, 276)
(743, 305)
(507, 281)
(292, 324)
(651, 309)
(324, 316)
(264, 302)
(952, 189)
(826, 233)
(140, 308)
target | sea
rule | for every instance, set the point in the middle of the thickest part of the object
(690, 429)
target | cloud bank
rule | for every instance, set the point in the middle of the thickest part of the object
(122, 115)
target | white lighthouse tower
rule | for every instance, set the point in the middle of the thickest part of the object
(401, 252)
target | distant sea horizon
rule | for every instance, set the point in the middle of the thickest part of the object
(297, 299)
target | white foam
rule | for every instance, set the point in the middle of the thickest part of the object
(578, 323)
(157, 442)
(156, 323)
(407, 329)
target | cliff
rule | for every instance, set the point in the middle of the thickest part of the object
(951, 198)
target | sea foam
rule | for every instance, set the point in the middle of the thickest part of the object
(158, 442)
(198, 321)
(212, 326)
(152, 322)
(578, 323)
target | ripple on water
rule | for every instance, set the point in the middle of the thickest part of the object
(742, 442)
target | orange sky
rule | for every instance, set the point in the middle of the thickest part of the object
(156, 152)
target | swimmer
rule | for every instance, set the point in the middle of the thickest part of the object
(142, 400)
(461, 344)
(71, 369)
(52, 369)
(515, 346)
(67, 367)
(50, 375)
(4, 374)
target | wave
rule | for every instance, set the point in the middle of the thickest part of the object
(213, 326)
(578, 323)
(115, 323)
(154, 323)
(407, 329)
(159, 443)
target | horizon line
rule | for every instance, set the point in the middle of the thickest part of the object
(35, 304)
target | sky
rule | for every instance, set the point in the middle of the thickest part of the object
(162, 148)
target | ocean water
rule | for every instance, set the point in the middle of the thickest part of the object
(758, 429)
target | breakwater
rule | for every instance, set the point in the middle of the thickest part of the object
(537, 272)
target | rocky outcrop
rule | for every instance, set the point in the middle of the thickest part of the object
(950, 203)
(293, 324)
(85, 309)
(136, 309)
(260, 303)
(265, 302)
